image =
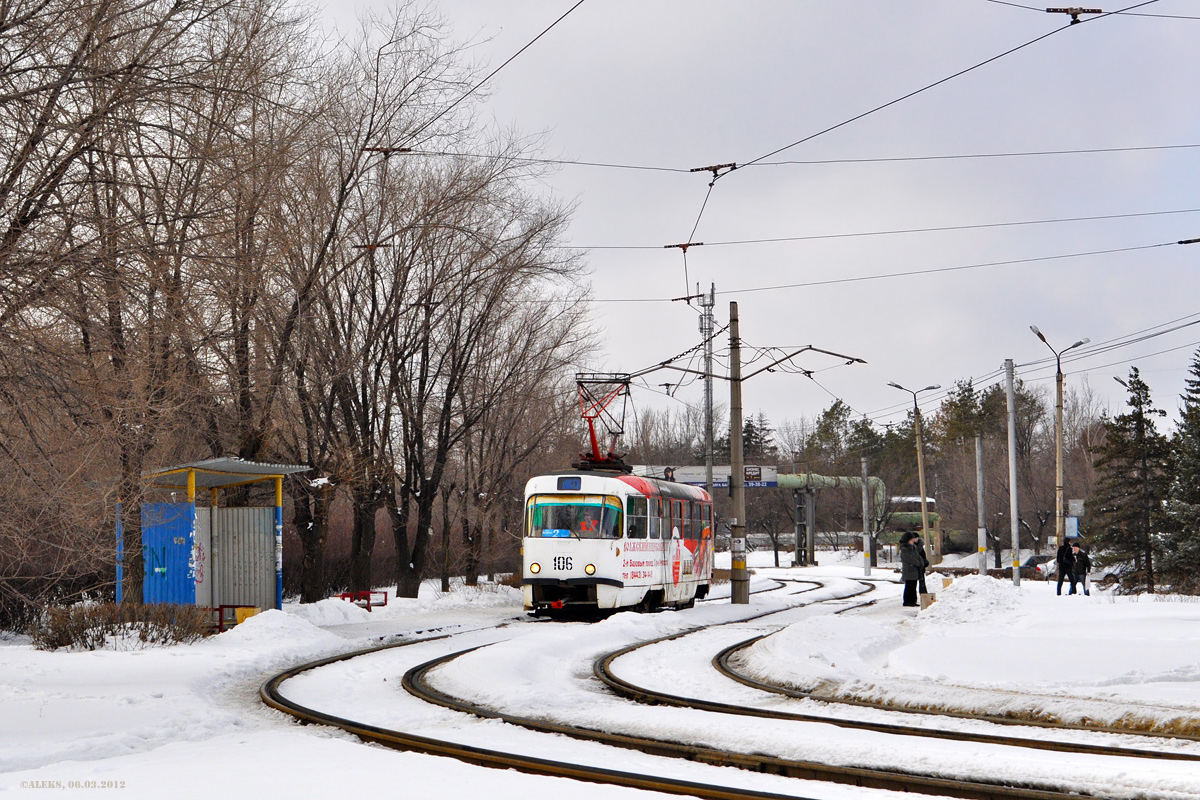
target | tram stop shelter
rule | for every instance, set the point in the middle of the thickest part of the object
(205, 554)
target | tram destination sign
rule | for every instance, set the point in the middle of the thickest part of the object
(756, 477)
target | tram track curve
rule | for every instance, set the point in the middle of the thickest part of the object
(415, 682)
(271, 695)
(721, 663)
(603, 670)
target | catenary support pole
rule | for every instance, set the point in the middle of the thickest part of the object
(706, 331)
(866, 500)
(979, 503)
(1015, 520)
(800, 551)
(739, 592)
(810, 525)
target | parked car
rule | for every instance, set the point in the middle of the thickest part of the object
(1045, 566)
(1040, 568)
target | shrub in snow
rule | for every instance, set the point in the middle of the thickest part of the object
(97, 626)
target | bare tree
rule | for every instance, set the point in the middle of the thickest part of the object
(523, 401)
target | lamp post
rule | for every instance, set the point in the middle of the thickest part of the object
(920, 452)
(1060, 522)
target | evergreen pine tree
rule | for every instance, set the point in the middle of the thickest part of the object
(1181, 542)
(1133, 478)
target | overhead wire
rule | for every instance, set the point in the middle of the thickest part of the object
(814, 162)
(968, 156)
(1146, 355)
(1037, 365)
(937, 270)
(1137, 337)
(420, 129)
(904, 97)
(717, 176)
(905, 231)
(900, 274)
(935, 84)
(762, 161)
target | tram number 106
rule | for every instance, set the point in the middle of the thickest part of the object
(562, 563)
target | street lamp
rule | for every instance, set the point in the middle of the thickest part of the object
(1060, 522)
(920, 458)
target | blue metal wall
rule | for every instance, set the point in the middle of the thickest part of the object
(167, 541)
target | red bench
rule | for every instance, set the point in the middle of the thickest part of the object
(365, 599)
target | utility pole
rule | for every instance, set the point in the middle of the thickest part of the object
(979, 503)
(810, 525)
(706, 332)
(800, 552)
(739, 578)
(866, 500)
(1011, 394)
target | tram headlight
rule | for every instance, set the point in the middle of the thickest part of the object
(590, 569)
(535, 568)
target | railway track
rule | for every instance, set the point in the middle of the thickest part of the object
(721, 661)
(416, 682)
(603, 670)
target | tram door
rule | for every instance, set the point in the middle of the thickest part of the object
(672, 548)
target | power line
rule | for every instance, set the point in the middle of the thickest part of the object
(810, 162)
(900, 99)
(1107, 346)
(885, 275)
(927, 87)
(1146, 355)
(899, 231)
(1137, 337)
(958, 156)
(936, 270)
(490, 75)
(904, 97)
(564, 162)
(1016, 5)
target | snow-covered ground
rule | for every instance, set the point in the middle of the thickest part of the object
(186, 721)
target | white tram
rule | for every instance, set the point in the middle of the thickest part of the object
(603, 539)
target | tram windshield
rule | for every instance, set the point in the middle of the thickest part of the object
(571, 515)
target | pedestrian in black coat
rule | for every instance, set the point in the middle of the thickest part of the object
(1081, 565)
(1065, 559)
(920, 543)
(911, 565)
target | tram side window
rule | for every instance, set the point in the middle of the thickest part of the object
(697, 522)
(685, 530)
(610, 525)
(635, 515)
(654, 516)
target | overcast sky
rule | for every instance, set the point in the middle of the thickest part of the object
(680, 84)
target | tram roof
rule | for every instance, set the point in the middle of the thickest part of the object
(657, 486)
